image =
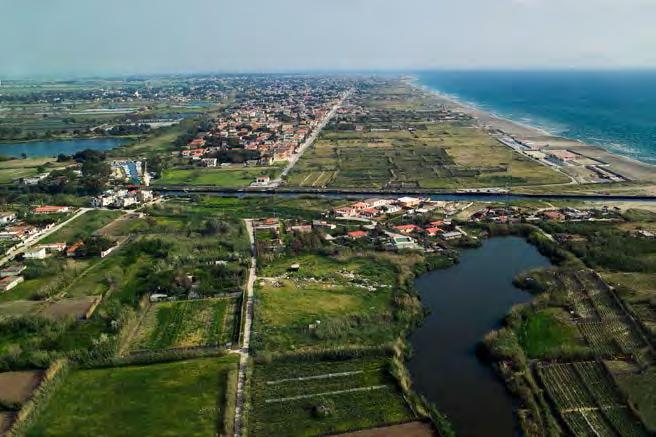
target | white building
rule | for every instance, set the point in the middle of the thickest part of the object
(38, 253)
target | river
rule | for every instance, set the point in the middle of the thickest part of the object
(48, 148)
(467, 301)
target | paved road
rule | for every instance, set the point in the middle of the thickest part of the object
(244, 351)
(292, 162)
(36, 238)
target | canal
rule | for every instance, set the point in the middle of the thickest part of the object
(467, 301)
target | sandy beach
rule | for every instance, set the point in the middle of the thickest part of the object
(630, 169)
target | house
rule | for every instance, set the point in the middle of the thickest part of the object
(7, 217)
(376, 202)
(359, 206)
(323, 224)
(553, 215)
(409, 202)
(53, 247)
(51, 209)
(401, 242)
(453, 235)
(209, 162)
(369, 212)
(13, 270)
(72, 250)
(35, 253)
(432, 231)
(406, 229)
(356, 234)
(301, 229)
(561, 157)
(391, 209)
(263, 180)
(196, 143)
(345, 211)
(9, 282)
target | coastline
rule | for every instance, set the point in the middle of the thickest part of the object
(630, 168)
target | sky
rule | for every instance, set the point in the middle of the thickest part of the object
(40, 38)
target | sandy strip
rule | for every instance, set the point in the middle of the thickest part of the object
(627, 167)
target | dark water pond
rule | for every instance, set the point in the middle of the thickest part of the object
(55, 147)
(467, 301)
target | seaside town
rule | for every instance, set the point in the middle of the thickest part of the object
(274, 249)
(266, 125)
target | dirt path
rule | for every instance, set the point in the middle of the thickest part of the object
(243, 352)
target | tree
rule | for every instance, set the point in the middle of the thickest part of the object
(95, 176)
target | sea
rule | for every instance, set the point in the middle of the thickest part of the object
(612, 109)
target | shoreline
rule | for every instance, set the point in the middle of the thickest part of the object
(630, 168)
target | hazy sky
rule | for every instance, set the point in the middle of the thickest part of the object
(62, 37)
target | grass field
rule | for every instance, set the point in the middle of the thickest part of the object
(549, 333)
(82, 227)
(13, 169)
(292, 398)
(224, 177)
(207, 322)
(352, 299)
(176, 398)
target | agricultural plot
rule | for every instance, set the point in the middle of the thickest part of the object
(604, 324)
(400, 148)
(587, 400)
(141, 399)
(307, 398)
(188, 324)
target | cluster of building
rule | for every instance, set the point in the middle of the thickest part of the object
(272, 120)
(559, 157)
(122, 198)
(14, 233)
(377, 207)
(511, 214)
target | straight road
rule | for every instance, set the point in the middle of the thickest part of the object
(248, 321)
(313, 136)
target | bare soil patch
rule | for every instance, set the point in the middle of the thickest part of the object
(410, 429)
(17, 387)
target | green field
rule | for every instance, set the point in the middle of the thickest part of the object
(224, 177)
(82, 227)
(549, 333)
(308, 398)
(207, 322)
(351, 298)
(177, 398)
(13, 169)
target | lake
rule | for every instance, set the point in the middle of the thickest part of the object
(467, 301)
(35, 149)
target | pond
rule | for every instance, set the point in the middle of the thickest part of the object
(467, 301)
(47, 148)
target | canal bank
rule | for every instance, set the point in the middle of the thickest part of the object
(466, 301)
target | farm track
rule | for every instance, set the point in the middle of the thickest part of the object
(327, 393)
(244, 351)
(311, 378)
